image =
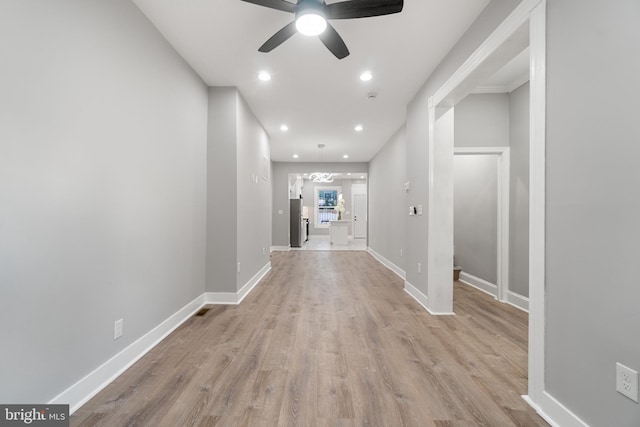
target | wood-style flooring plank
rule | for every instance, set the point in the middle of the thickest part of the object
(329, 339)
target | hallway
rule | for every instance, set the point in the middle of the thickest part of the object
(329, 338)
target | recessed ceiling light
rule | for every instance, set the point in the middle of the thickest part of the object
(346, 156)
(295, 156)
(366, 76)
(358, 128)
(264, 76)
(305, 174)
(362, 177)
(284, 128)
(349, 174)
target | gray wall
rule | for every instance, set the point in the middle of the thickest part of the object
(222, 190)
(387, 199)
(519, 191)
(280, 191)
(102, 188)
(493, 120)
(254, 195)
(592, 234)
(418, 135)
(239, 199)
(476, 215)
(482, 120)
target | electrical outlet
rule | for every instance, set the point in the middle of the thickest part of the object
(419, 267)
(238, 267)
(419, 209)
(411, 210)
(627, 382)
(118, 328)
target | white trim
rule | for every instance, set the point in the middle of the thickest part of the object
(86, 388)
(478, 283)
(422, 299)
(537, 182)
(248, 287)
(518, 82)
(480, 150)
(221, 298)
(481, 90)
(510, 30)
(518, 301)
(503, 210)
(554, 412)
(390, 265)
(508, 88)
(514, 299)
(280, 248)
(235, 298)
(440, 209)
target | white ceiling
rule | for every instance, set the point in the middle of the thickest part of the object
(319, 97)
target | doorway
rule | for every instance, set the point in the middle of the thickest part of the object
(525, 26)
(481, 217)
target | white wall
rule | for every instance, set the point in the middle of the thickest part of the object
(592, 211)
(387, 199)
(102, 188)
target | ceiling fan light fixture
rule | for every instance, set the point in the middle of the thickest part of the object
(310, 22)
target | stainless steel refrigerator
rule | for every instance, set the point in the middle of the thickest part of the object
(296, 233)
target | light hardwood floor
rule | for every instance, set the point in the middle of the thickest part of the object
(329, 339)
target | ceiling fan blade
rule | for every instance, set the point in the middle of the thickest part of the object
(278, 38)
(362, 8)
(332, 40)
(283, 5)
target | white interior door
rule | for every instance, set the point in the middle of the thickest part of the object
(359, 216)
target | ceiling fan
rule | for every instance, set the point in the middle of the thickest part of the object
(311, 19)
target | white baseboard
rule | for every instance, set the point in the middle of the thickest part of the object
(422, 299)
(518, 301)
(554, 412)
(80, 392)
(416, 294)
(235, 298)
(479, 284)
(248, 287)
(391, 266)
(280, 248)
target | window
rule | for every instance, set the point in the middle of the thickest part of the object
(326, 200)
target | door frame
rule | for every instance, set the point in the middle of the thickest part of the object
(526, 24)
(504, 183)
